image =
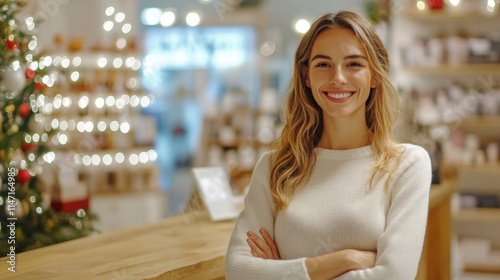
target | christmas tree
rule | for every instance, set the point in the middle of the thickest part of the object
(27, 220)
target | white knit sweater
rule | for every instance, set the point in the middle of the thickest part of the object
(334, 211)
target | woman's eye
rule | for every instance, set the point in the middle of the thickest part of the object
(322, 64)
(355, 64)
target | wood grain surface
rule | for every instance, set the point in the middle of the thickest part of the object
(187, 246)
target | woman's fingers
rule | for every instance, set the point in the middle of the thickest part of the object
(261, 245)
(255, 250)
(270, 243)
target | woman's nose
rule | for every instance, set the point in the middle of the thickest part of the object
(337, 77)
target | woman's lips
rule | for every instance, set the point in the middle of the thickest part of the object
(338, 96)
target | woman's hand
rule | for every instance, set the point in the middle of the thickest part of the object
(362, 259)
(265, 249)
(337, 263)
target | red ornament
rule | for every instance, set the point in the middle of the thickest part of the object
(39, 86)
(12, 45)
(28, 147)
(24, 110)
(30, 74)
(435, 4)
(23, 176)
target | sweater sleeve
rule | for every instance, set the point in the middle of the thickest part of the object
(258, 212)
(399, 247)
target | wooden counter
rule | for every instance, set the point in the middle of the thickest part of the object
(435, 262)
(188, 247)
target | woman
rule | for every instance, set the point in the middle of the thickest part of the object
(337, 197)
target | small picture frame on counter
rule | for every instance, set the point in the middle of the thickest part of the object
(213, 185)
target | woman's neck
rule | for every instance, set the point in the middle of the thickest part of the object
(344, 134)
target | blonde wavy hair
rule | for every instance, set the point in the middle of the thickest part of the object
(293, 160)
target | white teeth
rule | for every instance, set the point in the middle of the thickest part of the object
(339, 95)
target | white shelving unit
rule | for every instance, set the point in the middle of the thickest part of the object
(411, 25)
(102, 143)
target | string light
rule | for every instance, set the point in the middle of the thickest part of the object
(108, 25)
(66, 102)
(101, 126)
(119, 17)
(119, 157)
(63, 125)
(126, 28)
(80, 126)
(48, 61)
(134, 101)
(55, 123)
(129, 62)
(89, 126)
(102, 62)
(152, 155)
(83, 102)
(302, 26)
(110, 101)
(63, 139)
(121, 43)
(114, 125)
(99, 102)
(49, 157)
(167, 18)
(421, 5)
(109, 11)
(96, 159)
(143, 157)
(117, 62)
(77, 61)
(86, 160)
(75, 76)
(65, 62)
(125, 127)
(193, 19)
(491, 6)
(133, 159)
(151, 16)
(32, 45)
(107, 159)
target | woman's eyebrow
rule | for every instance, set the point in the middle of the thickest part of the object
(321, 56)
(352, 56)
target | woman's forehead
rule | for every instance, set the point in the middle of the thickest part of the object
(337, 40)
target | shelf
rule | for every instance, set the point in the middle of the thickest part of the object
(455, 70)
(489, 215)
(483, 268)
(446, 16)
(481, 122)
(493, 169)
(236, 144)
(440, 193)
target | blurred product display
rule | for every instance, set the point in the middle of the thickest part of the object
(449, 69)
(238, 136)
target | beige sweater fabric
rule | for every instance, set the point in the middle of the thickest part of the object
(335, 210)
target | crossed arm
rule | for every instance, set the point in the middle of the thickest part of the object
(321, 267)
(398, 247)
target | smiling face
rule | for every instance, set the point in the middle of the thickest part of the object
(339, 75)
